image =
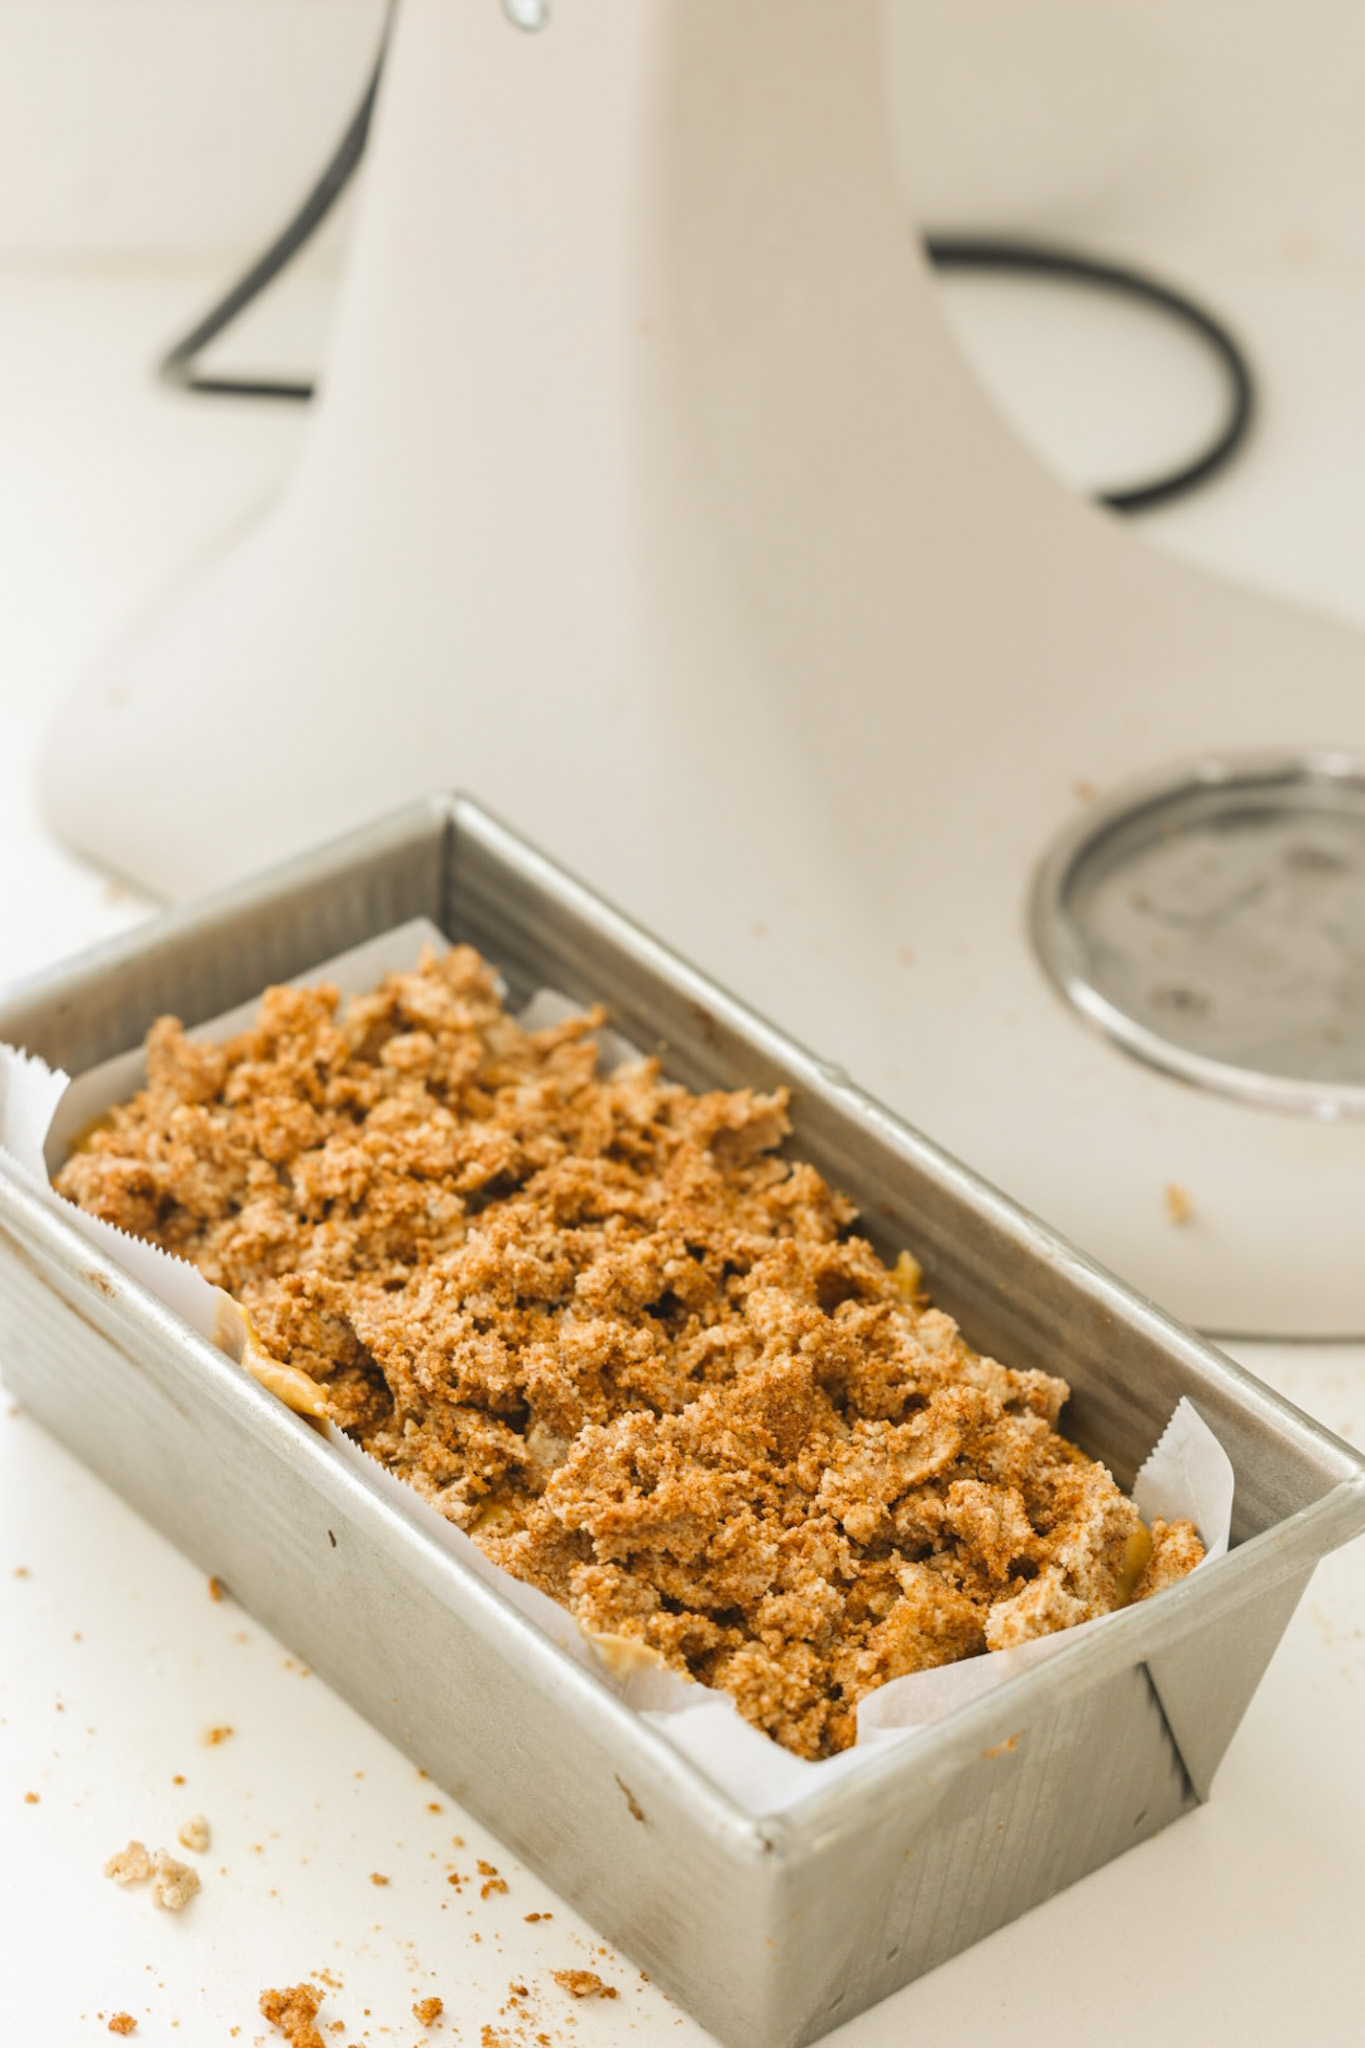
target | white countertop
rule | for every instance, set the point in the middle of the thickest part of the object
(1240, 1923)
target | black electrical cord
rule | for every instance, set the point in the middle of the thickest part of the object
(945, 252)
(178, 366)
(1043, 259)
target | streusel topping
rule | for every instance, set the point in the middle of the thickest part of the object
(605, 1325)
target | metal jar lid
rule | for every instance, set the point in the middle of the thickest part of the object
(1212, 922)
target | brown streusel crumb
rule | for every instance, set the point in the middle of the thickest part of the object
(130, 1866)
(428, 2011)
(195, 1834)
(584, 1984)
(122, 2023)
(174, 1884)
(292, 2012)
(604, 1326)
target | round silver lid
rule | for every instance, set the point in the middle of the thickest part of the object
(1212, 922)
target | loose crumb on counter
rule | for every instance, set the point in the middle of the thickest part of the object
(174, 1883)
(129, 1866)
(428, 2011)
(195, 1834)
(213, 1736)
(1178, 1202)
(122, 2023)
(609, 1328)
(584, 1984)
(293, 2013)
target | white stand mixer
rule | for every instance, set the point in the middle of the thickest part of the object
(650, 501)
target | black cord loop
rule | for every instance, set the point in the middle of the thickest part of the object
(1044, 259)
(945, 252)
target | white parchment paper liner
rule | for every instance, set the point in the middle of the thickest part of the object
(41, 1114)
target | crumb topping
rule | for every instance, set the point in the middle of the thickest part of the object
(1176, 1550)
(607, 1327)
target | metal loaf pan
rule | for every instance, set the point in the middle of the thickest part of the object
(770, 1930)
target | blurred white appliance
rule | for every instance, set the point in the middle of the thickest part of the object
(650, 501)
